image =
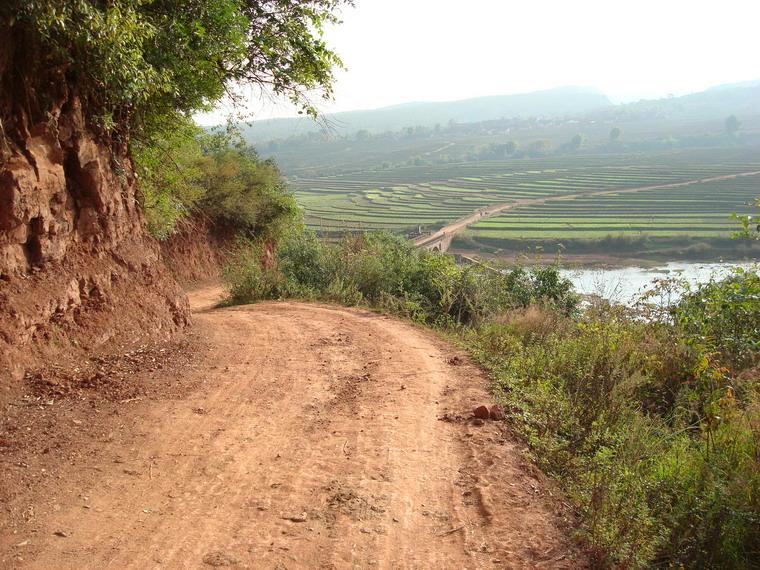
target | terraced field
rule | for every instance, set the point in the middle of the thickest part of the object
(430, 196)
(700, 210)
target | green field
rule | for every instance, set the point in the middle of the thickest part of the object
(406, 197)
(697, 210)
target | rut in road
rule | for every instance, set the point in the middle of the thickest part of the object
(320, 437)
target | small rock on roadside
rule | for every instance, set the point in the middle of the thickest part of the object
(496, 413)
(219, 558)
(482, 412)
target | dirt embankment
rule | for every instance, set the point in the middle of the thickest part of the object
(294, 436)
(196, 253)
(78, 271)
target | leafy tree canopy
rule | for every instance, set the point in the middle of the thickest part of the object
(732, 125)
(139, 64)
(188, 171)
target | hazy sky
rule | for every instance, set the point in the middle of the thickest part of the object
(434, 50)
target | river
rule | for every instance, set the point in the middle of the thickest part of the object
(625, 285)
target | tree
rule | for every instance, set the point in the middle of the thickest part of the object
(732, 125)
(191, 170)
(139, 70)
(138, 66)
(577, 141)
(538, 147)
(750, 225)
(615, 134)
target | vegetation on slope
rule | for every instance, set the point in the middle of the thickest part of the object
(649, 417)
(190, 172)
(652, 425)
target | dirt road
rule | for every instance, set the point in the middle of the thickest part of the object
(316, 437)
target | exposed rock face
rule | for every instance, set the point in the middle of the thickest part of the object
(78, 268)
(59, 189)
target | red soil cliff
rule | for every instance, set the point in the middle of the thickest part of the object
(78, 270)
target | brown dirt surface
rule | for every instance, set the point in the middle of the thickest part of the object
(278, 435)
(79, 273)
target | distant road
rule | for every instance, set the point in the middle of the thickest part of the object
(442, 238)
(441, 149)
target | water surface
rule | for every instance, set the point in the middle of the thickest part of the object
(627, 284)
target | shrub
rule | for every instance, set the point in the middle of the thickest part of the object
(645, 422)
(168, 171)
(190, 172)
(723, 318)
(250, 280)
(244, 192)
(387, 272)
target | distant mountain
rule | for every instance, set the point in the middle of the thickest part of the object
(715, 103)
(557, 102)
(739, 84)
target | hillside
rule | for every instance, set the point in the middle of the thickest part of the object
(423, 178)
(692, 121)
(741, 99)
(198, 372)
(557, 102)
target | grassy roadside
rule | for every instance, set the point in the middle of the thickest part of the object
(651, 428)
(649, 418)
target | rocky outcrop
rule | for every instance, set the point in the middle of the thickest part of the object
(77, 267)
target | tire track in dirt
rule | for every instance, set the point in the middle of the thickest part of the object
(315, 440)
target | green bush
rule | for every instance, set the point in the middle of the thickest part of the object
(168, 171)
(723, 318)
(190, 172)
(250, 280)
(385, 271)
(244, 192)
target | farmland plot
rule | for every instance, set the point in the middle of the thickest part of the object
(700, 210)
(429, 196)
